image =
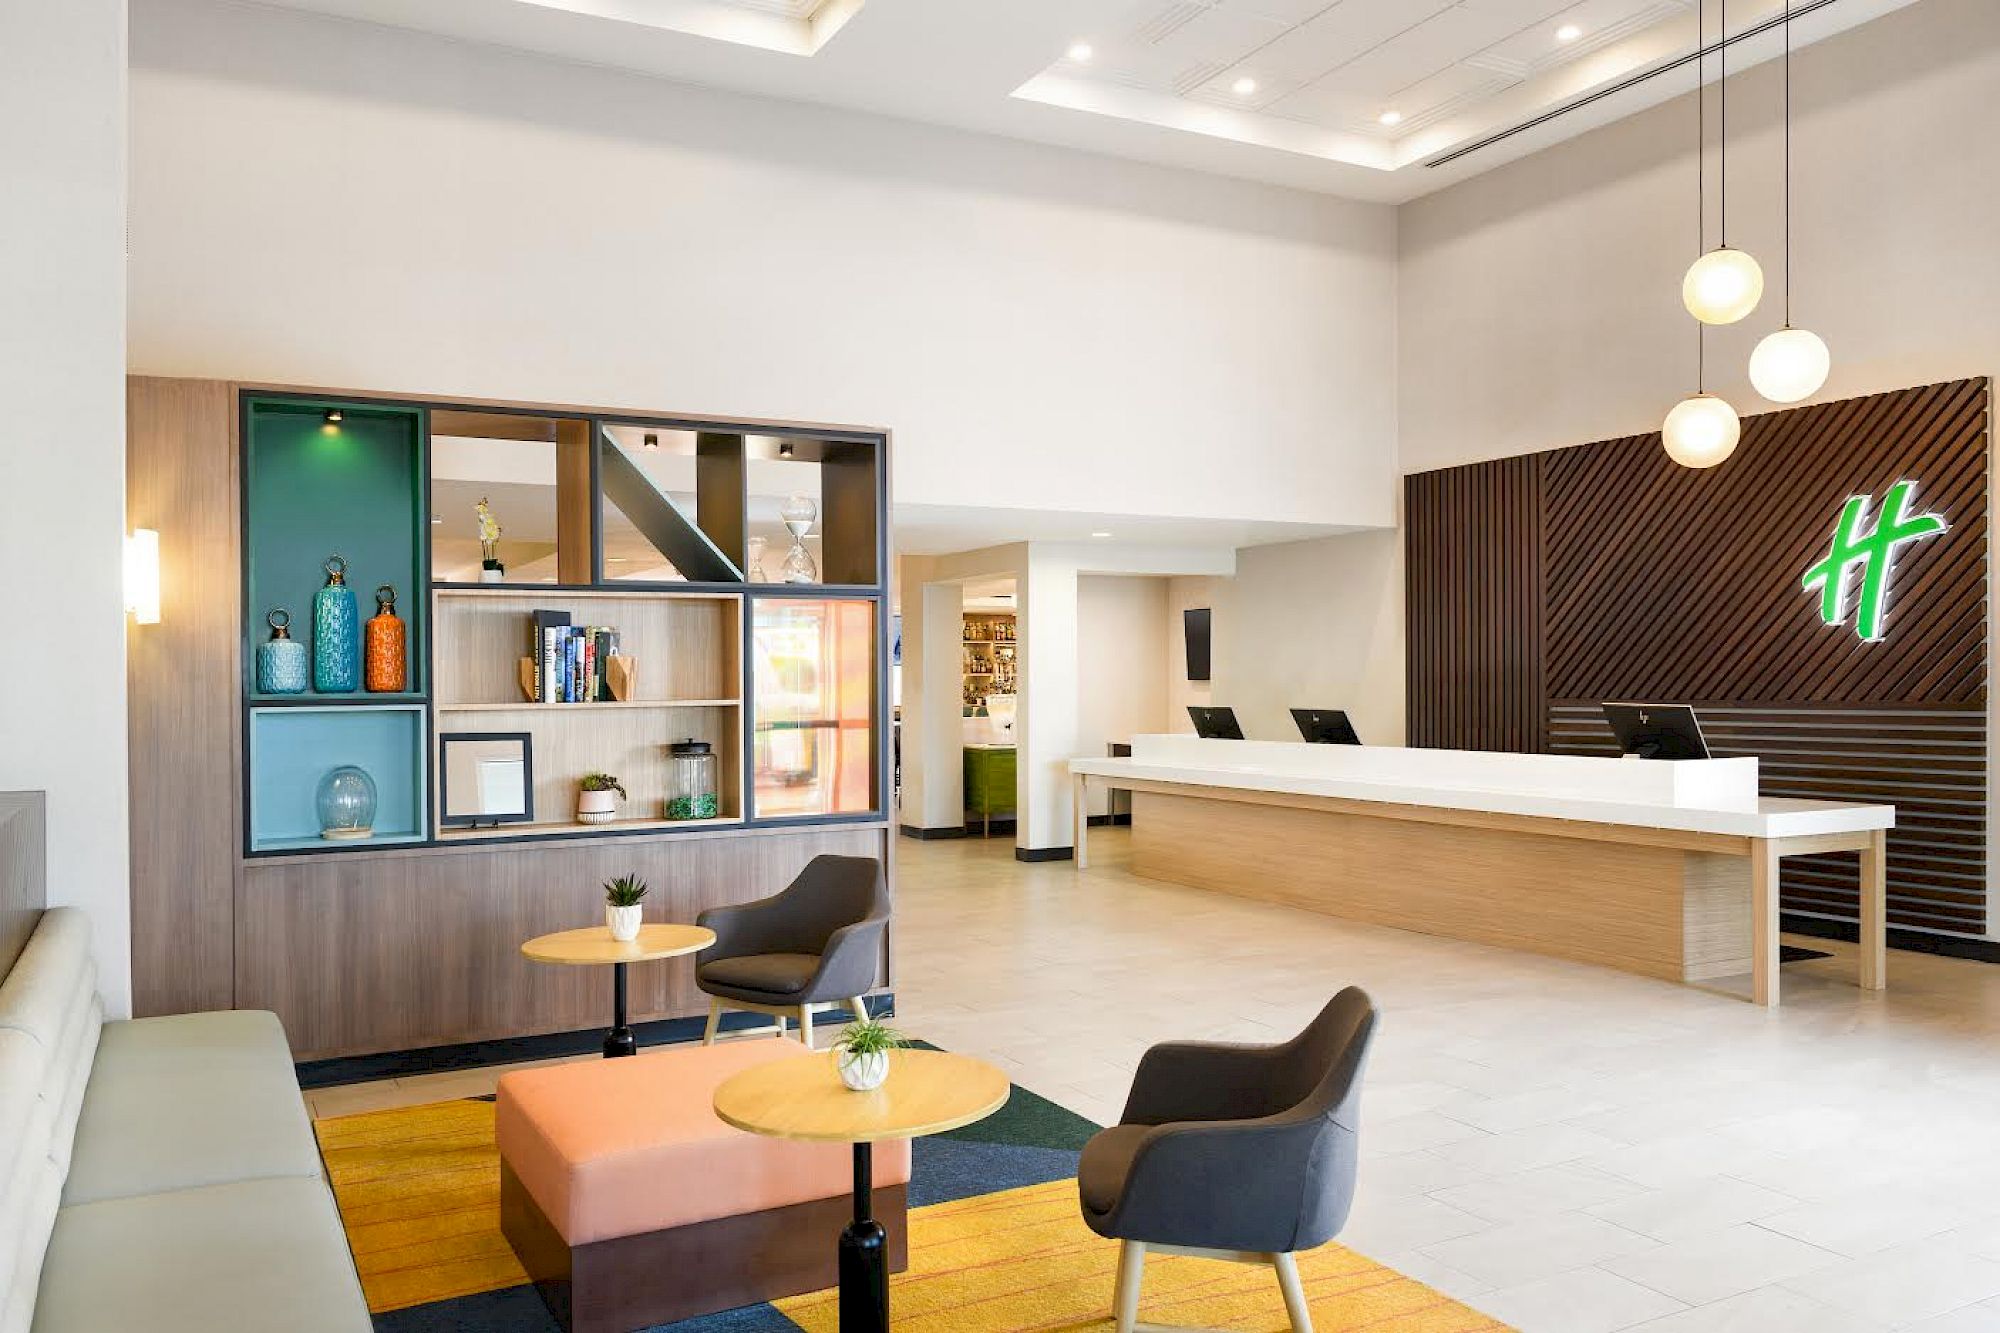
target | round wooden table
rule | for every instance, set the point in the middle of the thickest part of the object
(593, 946)
(927, 1092)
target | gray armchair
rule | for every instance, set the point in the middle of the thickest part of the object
(1244, 1153)
(817, 943)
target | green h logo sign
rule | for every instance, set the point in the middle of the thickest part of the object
(1874, 552)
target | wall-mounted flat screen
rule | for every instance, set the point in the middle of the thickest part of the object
(1657, 731)
(1194, 622)
(1215, 724)
(1325, 726)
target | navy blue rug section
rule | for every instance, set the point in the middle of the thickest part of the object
(513, 1050)
(1029, 1141)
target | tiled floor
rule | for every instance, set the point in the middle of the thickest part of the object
(1569, 1148)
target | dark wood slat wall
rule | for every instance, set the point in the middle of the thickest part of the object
(1474, 606)
(1651, 581)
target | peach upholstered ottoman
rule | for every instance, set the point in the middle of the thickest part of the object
(631, 1205)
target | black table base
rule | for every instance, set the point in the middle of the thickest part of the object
(864, 1256)
(619, 1041)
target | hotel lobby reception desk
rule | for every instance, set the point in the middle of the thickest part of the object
(1666, 869)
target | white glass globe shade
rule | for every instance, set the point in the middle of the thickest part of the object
(1701, 431)
(1790, 365)
(1722, 286)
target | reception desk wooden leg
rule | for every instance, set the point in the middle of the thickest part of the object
(1764, 921)
(1079, 788)
(1875, 912)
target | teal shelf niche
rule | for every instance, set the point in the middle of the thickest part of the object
(314, 487)
(291, 749)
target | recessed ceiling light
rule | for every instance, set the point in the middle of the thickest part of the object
(1081, 52)
(652, 440)
(1568, 32)
(1390, 118)
(1244, 86)
(1100, 534)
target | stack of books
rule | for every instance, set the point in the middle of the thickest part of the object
(573, 658)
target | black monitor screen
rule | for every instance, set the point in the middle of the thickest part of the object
(1657, 731)
(1195, 624)
(1215, 724)
(1325, 726)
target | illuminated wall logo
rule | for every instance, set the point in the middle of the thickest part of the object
(1874, 551)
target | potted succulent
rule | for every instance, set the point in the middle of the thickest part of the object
(862, 1054)
(597, 802)
(622, 910)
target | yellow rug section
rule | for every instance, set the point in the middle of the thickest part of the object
(1023, 1259)
(419, 1192)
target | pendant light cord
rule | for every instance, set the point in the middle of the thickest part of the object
(1700, 177)
(1788, 163)
(1722, 126)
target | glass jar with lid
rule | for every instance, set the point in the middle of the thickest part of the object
(691, 784)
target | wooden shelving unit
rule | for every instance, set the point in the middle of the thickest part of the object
(988, 646)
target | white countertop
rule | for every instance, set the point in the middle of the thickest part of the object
(1539, 786)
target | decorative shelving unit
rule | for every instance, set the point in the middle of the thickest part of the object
(411, 937)
(987, 643)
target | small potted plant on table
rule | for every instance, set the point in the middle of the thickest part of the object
(622, 910)
(862, 1054)
(597, 802)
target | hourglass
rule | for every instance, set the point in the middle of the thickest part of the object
(799, 513)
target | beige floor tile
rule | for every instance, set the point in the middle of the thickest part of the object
(1584, 1300)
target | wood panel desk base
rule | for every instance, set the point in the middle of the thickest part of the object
(1661, 902)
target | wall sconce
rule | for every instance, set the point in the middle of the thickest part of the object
(142, 576)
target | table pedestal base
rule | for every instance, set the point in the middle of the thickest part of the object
(619, 1041)
(864, 1260)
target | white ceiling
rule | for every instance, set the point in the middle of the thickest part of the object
(1160, 83)
(944, 529)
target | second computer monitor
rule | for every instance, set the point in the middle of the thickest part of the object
(1656, 731)
(1215, 724)
(1325, 726)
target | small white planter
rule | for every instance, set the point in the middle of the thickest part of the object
(492, 575)
(596, 807)
(862, 1073)
(623, 922)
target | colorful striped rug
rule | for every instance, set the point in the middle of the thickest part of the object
(996, 1242)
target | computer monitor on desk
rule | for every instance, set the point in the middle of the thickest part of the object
(1215, 724)
(1657, 731)
(1325, 726)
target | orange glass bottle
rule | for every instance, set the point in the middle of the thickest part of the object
(387, 652)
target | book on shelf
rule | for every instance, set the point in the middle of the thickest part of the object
(571, 659)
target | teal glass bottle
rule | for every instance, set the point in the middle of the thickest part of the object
(336, 633)
(281, 660)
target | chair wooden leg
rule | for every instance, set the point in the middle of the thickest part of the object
(806, 1025)
(1295, 1294)
(859, 1004)
(1131, 1274)
(714, 1022)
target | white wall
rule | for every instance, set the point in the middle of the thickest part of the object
(1316, 624)
(1121, 639)
(1540, 302)
(328, 202)
(62, 450)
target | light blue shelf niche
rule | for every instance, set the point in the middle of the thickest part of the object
(291, 749)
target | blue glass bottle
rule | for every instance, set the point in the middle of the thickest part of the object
(281, 660)
(336, 633)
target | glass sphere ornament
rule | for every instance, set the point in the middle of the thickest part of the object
(346, 804)
(1701, 431)
(1790, 365)
(1722, 286)
(799, 513)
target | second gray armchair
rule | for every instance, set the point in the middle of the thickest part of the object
(818, 943)
(1233, 1152)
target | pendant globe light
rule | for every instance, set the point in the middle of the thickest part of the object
(1725, 284)
(1702, 429)
(1791, 364)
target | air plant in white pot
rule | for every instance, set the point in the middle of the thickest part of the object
(623, 913)
(862, 1053)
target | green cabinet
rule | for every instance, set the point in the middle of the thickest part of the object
(989, 782)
